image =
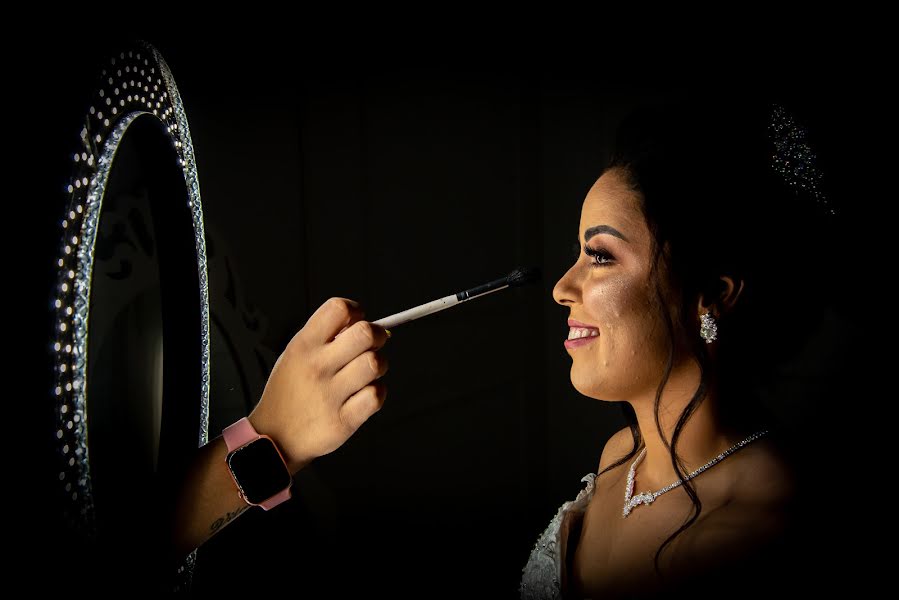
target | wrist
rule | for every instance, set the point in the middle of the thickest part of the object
(262, 427)
(257, 465)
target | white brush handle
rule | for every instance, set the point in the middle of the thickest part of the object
(427, 308)
(417, 311)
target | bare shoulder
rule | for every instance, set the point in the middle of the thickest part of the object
(756, 513)
(618, 446)
(762, 477)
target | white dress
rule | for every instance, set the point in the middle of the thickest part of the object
(543, 576)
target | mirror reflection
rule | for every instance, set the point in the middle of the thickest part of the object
(129, 357)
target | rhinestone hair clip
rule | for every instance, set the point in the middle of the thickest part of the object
(794, 159)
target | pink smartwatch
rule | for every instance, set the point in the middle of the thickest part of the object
(257, 466)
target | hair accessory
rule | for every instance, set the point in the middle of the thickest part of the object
(793, 157)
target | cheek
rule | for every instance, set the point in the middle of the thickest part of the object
(616, 302)
(632, 348)
(607, 300)
(629, 327)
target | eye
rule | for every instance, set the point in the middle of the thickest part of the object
(600, 257)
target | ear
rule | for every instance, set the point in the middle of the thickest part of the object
(722, 297)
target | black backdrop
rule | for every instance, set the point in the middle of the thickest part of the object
(393, 183)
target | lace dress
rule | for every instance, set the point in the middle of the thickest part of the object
(543, 576)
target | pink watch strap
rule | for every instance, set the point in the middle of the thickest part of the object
(276, 499)
(239, 434)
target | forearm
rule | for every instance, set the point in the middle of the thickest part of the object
(207, 499)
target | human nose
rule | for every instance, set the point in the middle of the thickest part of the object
(566, 290)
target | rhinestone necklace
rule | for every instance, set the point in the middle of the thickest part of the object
(630, 502)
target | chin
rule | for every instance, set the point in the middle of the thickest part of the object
(591, 390)
(604, 398)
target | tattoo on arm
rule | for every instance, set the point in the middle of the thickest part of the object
(222, 521)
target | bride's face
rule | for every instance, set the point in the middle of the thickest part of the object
(609, 289)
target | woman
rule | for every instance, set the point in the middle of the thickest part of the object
(680, 276)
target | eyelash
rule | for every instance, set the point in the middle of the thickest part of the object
(594, 254)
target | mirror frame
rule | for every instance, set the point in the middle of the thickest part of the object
(135, 82)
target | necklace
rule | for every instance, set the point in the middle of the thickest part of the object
(630, 502)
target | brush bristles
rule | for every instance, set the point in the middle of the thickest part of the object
(523, 275)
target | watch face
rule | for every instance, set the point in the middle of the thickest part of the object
(259, 470)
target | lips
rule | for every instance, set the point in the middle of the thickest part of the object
(577, 342)
(573, 323)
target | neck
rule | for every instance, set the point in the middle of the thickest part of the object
(702, 438)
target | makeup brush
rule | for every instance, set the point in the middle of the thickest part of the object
(520, 276)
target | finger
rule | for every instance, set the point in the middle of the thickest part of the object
(358, 337)
(362, 370)
(331, 317)
(362, 405)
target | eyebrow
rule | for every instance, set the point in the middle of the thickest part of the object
(608, 229)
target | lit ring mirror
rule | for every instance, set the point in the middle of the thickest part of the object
(131, 325)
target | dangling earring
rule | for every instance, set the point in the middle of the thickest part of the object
(709, 329)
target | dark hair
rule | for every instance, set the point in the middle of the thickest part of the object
(711, 181)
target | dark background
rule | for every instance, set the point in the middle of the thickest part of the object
(393, 183)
